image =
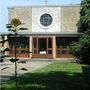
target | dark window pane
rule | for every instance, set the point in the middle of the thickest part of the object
(35, 51)
(23, 52)
(18, 51)
(64, 51)
(59, 52)
(20, 42)
(49, 51)
(49, 43)
(34, 42)
(11, 51)
(41, 44)
(64, 46)
(69, 52)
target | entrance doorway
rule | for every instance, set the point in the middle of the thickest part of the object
(42, 47)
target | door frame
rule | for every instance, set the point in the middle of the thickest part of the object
(37, 54)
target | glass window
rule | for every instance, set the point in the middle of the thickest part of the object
(64, 51)
(34, 42)
(20, 42)
(35, 51)
(49, 43)
(46, 20)
(49, 51)
(59, 51)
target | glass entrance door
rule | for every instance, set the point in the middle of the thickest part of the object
(42, 47)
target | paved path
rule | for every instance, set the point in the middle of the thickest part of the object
(30, 65)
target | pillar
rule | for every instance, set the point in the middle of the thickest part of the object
(54, 47)
(6, 45)
(30, 46)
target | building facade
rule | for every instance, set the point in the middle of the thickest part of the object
(50, 30)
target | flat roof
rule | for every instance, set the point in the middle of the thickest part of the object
(60, 34)
(40, 6)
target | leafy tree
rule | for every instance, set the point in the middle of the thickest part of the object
(81, 49)
(84, 22)
(13, 27)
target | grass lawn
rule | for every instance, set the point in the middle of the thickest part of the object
(56, 76)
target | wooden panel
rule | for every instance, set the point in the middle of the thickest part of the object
(64, 56)
(20, 52)
(42, 56)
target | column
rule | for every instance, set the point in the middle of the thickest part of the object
(1, 45)
(30, 46)
(6, 45)
(54, 47)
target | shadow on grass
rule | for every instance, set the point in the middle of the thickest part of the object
(86, 73)
(52, 81)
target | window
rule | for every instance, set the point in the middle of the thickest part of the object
(49, 42)
(46, 20)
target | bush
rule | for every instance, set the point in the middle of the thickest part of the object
(81, 49)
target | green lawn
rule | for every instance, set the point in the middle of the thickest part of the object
(57, 76)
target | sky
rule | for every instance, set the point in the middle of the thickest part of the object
(4, 4)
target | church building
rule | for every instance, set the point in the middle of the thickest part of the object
(51, 28)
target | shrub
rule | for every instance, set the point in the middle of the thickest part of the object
(81, 49)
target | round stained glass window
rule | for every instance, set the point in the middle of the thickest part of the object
(46, 20)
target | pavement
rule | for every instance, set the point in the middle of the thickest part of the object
(7, 68)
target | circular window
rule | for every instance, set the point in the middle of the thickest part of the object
(46, 20)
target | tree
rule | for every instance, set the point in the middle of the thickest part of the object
(84, 22)
(13, 26)
(81, 49)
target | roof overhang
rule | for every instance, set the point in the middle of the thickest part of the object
(58, 34)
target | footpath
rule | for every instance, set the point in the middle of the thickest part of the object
(30, 65)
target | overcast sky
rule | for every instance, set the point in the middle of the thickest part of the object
(4, 4)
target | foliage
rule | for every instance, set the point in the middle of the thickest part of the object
(13, 26)
(24, 69)
(84, 22)
(14, 60)
(16, 22)
(81, 49)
